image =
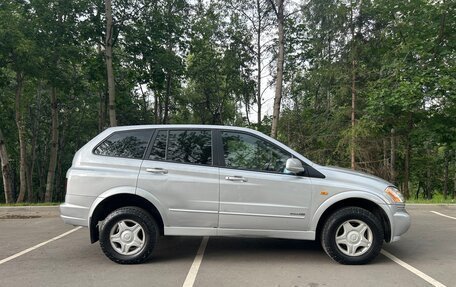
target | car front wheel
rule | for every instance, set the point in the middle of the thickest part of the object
(352, 235)
(128, 235)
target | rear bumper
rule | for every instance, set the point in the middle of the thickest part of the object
(74, 214)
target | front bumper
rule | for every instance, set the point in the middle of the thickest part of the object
(401, 222)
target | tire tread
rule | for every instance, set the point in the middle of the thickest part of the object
(151, 226)
(343, 214)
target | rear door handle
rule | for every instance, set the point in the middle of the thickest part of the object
(157, 170)
(236, 178)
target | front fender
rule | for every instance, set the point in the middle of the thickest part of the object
(348, 195)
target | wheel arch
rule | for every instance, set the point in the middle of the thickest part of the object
(108, 204)
(378, 209)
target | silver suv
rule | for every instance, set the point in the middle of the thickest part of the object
(131, 184)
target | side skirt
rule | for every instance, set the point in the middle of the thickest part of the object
(195, 231)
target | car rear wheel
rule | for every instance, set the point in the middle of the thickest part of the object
(128, 235)
(352, 235)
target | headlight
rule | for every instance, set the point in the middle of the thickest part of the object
(394, 194)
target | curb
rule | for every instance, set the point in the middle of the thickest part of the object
(430, 204)
(21, 212)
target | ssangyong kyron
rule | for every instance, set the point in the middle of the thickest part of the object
(129, 185)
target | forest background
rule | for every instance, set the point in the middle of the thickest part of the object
(368, 85)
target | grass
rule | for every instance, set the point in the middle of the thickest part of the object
(32, 204)
(436, 199)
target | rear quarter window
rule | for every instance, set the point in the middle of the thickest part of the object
(127, 144)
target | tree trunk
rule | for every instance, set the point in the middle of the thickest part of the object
(6, 170)
(353, 90)
(259, 101)
(428, 183)
(445, 183)
(42, 178)
(417, 194)
(393, 157)
(167, 98)
(454, 178)
(385, 156)
(31, 165)
(247, 114)
(54, 147)
(156, 112)
(101, 112)
(407, 157)
(160, 110)
(21, 135)
(407, 167)
(279, 76)
(109, 69)
(60, 175)
(60, 192)
(102, 102)
(328, 93)
(169, 74)
(353, 119)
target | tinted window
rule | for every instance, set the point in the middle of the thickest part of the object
(189, 146)
(158, 151)
(129, 144)
(248, 152)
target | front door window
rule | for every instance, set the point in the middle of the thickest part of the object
(243, 151)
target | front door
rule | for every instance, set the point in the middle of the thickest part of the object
(256, 191)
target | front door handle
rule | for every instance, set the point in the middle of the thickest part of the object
(236, 178)
(157, 170)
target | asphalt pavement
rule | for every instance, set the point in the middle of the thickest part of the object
(37, 249)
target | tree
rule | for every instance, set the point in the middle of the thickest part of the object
(54, 146)
(365, 84)
(109, 69)
(220, 78)
(6, 170)
(279, 11)
(258, 16)
(19, 55)
(158, 60)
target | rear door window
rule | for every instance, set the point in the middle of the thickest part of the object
(183, 146)
(158, 151)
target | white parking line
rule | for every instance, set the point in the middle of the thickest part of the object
(441, 214)
(38, 245)
(191, 276)
(412, 269)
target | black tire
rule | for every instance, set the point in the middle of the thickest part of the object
(132, 217)
(352, 216)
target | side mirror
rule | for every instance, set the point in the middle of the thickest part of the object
(294, 165)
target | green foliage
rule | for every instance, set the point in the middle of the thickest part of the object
(218, 70)
(180, 61)
(437, 199)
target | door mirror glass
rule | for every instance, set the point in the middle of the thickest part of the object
(294, 165)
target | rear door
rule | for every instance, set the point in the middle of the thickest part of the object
(256, 191)
(178, 170)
